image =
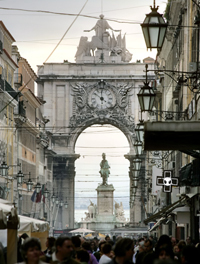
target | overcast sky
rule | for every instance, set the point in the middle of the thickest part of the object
(36, 35)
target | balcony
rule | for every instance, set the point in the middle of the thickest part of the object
(6, 87)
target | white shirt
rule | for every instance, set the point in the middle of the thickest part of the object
(104, 259)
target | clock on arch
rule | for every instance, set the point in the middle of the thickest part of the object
(102, 98)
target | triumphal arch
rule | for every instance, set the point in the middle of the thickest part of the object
(99, 88)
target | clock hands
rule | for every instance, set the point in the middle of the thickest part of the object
(101, 97)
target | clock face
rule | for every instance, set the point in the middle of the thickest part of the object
(102, 98)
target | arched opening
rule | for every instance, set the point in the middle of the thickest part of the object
(91, 143)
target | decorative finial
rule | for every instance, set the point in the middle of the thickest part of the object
(154, 8)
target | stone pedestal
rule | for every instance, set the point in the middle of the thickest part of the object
(105, 203)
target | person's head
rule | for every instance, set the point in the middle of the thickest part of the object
(165, 252)
(176, 249)
(141, 246)
(181, 245)
(107, 238)
(148, 245)
(124, 249)
(31, 249)
(82, 256)
(76, 241)
(106, 249)
(24, 236)
(189, 255)
(188, 240)
(164, 240)
(173, 241)
(86, 246)
(64, 247)
(50, 242)
(101, 246)
(93, 246)
(103, 155)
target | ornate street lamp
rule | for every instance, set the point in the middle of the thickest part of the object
(146, 96)
(46, 193)
(66, 204)
(61, 203)
(139, 130)
(138, 148)
(137, 164)
(154, 29)
(20, 177)
(53, 197)
(4, 168)
(38, 187)
(57, 200)
(29, 183)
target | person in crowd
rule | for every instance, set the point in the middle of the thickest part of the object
(123, 251)
(63, 253)
(190, 255)
(19, 243)
(96, 241)
(82, 256)
(173, 241)
(181, 244)
(86, 246)
(148, 245)
(99, 253)
(148, 251)
(93, 247)
(189, 241)
(141, 253)
(165, 252)
(76, 241)
(31, 251)
(50, 244)
(108, 254)
(107, 238)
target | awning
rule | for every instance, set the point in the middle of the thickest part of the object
(172, 135)
(159, 222)
(28, 224)
(166, 211)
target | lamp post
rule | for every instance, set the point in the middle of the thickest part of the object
(138, 148)
(139, 130)
(20, 177)
(38, 187)
(154, 29)
(66, 205)
(146, 96)
(46, 193)
(29, 183)
(137, 164)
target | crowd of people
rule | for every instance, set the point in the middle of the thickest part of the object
(77, 250)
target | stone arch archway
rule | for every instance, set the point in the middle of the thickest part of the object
(66, 163)
(127, 131)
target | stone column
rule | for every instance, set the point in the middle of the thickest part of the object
(105, 202)
(64, 173)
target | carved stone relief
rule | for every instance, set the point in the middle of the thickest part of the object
(102, 101)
